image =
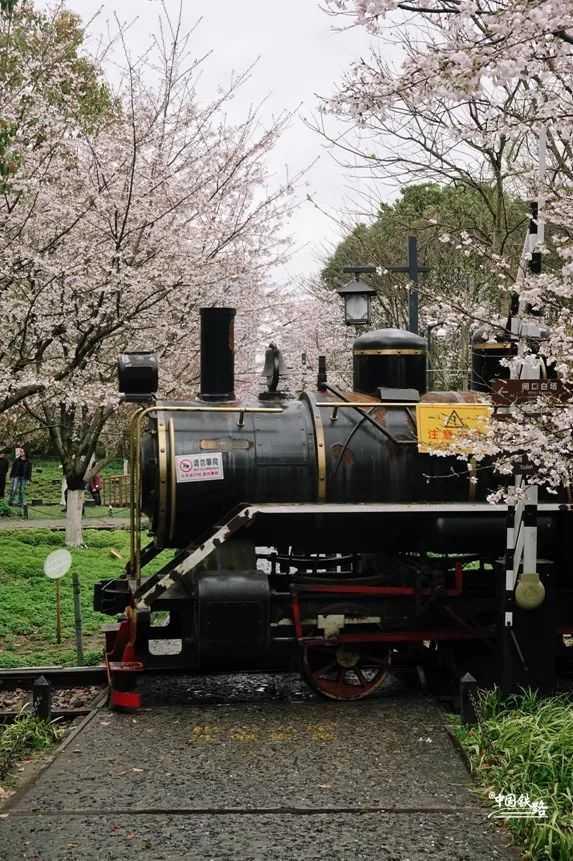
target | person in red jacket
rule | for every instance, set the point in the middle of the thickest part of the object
(95, 488)
(20, 474)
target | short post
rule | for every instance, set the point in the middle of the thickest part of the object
(42, 698)
(58, 613)
(78, 616)
(468, 693)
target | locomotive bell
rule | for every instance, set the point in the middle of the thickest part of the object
(529, 592)
(275, 367)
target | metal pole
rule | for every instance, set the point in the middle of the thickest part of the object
(413, 291)
(78, 616)
(58, 613)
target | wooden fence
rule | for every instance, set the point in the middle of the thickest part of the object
(115, 491)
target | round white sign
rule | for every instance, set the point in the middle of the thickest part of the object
(57, 563)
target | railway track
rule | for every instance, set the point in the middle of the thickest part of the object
(59, 677)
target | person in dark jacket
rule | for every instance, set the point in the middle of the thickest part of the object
(4, 467)
(21, 473)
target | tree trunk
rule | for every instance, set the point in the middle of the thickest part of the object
(74, 518)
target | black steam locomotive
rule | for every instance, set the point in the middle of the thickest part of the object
(312, 531)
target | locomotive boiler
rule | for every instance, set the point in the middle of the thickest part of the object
(312, 531)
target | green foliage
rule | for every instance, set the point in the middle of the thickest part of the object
(46, 486)
(7, 6)
(65, 78)
(9, 160)
(523, 745)
(26, 734)
(5, 510)
(27, 608)
(427, 211)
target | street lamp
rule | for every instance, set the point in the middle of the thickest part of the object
(357, 295)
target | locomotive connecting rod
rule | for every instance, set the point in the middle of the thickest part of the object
(359, 407)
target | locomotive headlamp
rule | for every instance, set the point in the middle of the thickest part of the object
(357, 296)
(137, 376)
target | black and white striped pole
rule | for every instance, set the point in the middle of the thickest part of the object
(523, 587)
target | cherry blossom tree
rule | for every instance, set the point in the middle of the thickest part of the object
(114, 232)
(514, 57)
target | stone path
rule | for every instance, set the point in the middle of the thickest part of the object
(252, 780)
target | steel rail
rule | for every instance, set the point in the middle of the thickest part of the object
(59, 677)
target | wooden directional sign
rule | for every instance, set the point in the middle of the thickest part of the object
(506, 392)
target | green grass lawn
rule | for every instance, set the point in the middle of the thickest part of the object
(523, 747)
(46, 486)
(28, 598)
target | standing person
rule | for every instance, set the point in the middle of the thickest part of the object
(4, 466)
(95, 488)
(21, 473)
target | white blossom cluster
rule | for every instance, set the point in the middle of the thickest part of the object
(479, 82)
(116, 229)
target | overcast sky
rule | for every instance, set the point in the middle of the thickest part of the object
(300, 56)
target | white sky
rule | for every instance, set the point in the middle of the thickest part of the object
(300, 56)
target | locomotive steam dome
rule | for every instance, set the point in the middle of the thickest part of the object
(393, 358)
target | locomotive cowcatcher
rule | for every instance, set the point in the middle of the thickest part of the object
(313, 532)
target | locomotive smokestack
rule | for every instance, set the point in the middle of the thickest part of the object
(217, 354)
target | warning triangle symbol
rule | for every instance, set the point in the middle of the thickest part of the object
(454, 420)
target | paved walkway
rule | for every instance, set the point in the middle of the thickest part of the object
(255, 780)
(60, 523)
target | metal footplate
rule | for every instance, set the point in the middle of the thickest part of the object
(159, 583)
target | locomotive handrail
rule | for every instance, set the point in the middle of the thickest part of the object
(358, 406)
(134, 432)
(364, 404)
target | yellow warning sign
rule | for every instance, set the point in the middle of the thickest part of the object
(439, 424)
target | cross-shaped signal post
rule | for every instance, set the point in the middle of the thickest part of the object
(412, 270)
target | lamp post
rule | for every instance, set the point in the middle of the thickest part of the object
(357, 295)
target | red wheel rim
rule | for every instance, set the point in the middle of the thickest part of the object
(344, 675)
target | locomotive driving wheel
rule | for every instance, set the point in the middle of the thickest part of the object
(344, 672)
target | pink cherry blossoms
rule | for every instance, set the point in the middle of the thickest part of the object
(478, 89)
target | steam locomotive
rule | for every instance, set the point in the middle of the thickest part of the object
(313, 532)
